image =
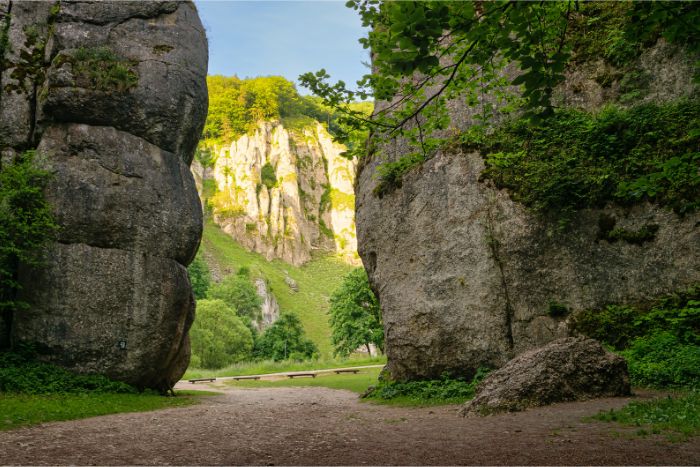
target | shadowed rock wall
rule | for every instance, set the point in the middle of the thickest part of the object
(113, 97)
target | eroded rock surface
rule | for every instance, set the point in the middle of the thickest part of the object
(465, 276)
(305, 202)
(112, 95)
(569, 369)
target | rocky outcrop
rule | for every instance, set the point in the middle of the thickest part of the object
(465, 275)
(269, 309)
(284, 193)
(112, 95)
(569, 369)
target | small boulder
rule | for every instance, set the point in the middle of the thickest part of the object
(568, 369)
(291, 283)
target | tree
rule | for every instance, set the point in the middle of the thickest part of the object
(200, 278)
(219, 337)
(355, 316)
(427, 53)
(238, 293)
(26, 223)
(285, 340)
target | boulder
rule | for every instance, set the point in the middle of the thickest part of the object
(112, 96)
(568, 369)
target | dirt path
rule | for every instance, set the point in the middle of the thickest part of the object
(323, 426)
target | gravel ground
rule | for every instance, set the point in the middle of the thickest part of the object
(318, 426)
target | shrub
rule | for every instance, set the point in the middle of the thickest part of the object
(663, 360)
(575, 160)
(443, 390)
(284, 340)
(267, 176)
(219, 337)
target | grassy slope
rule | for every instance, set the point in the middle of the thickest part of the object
(18, 410)
(316, 280)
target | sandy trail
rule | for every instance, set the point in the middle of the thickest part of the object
(323, 426)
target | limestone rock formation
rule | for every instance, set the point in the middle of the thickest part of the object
(568, 369)
(283, 193)
(465, 275)
(112, 95)
(270, 309)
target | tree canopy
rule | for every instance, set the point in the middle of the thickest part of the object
(355, 317)
(285, 340)
(238, 293)
(426, 53)
(219, 337)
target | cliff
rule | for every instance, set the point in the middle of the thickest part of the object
(112, 95)
(283, 192)
(468, 275)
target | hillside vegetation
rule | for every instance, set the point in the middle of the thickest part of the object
(316, 280)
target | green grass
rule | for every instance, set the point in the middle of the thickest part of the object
(269, 366)
(677, 417)
(352, 382)
(19, 410)
(316, 280)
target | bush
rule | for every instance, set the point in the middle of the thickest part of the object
(443, 390)
(20, 372)
(267, 176)
(575, 160)
(239, 293)
(663, 360)
(285, 340)
(200, 278)
(218, 336)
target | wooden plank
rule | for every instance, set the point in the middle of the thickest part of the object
(237, 378)
(346, 371)
(294, 375)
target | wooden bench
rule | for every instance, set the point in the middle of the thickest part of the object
(337, 372)
(238, 378)
(294, 375)
(211, 380)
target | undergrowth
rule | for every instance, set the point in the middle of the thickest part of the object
(677, 417)
(445, 390)
(660, 342)
(21, 373)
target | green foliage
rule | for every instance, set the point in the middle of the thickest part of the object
(678, 417)
(445, 390)
(238, 293)
(317, 280)
(218, 336)
(557, 310)
(26, 223)
(100, 68)
(425, 54)
(285, 339)
(20, 410)
(20, 372)
(200, 278)
(574, 160)
(206, 157)
(268, 176)
(355, 317)
(619, 325)
(645, 234)
(663, 360)
(661, 344)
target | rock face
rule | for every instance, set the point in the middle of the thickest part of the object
(284, 193)
(113, 97)
(567, 369)
(465, 275)
(270, 309)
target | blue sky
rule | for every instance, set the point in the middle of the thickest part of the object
(287, 38)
